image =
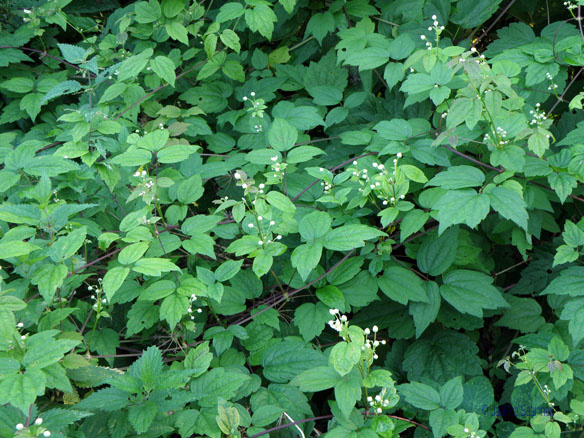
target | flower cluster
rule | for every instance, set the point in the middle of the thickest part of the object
(500, 135)
(96, 295)
(36, 428)
(371, 344)
(340, 322)
(192, 299)
(380, 402)
(382, 183)
(436, 28)
(550, 78)
(257, 109)
(469, 433)
(570, 6)
(264, 230)
(538, 116)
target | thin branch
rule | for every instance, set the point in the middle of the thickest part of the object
(503, 12)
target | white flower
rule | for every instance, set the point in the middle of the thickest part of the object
(422, 37)
(19, 426)
(279, 237)
(250, 225)
(27, 11)
(374, 329)
(434, 17)
(38, 421)
(260, 218)
(244, 186)
(252, 94)
(260, 242)
(20, 325)
(366, 331)
(199, 310)
(399, 155)
(262, 186)
(274, 158)
(333, 311)
(46, 433)
(236, 175)
(354, 163)
(272, 223)
(23, 337)
(244, 97)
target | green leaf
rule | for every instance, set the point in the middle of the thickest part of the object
(229, 11)
(134, 65)
(413, 173)
(16, 249)
(524, 314)
(317, 379)
(230, 39)
(471, 292)
(113, 280)
(350, 237)
(164, 68)
(21, 390)
(133, 157)
(301, 154)
(18, 85)
(132, 253)
(347, 392)
(177, 32)
(305, 258)
(285, 360)
(311, 319)
(574, 313)
(563, 184)
(66, 246)
(154, 266)
(402, 285)
(437, 253)
(228, 269)
(147, 12)
(142, 415)
(171, 8)
(173, 308)
(421, 396)
(332, 297)
(314, 225)
(281, 202)
(471, 13)
(458, 177)
(261, 19)
(319, 25)
(461, 207)
(282, 136)
(48, 278)
(509, 204)
(31, 103)
(425, 313)
(344, 356)
(451, 393)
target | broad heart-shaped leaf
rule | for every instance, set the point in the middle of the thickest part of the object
(574, 312)
(285, 360)
(320, 25)
(471, 292)
(437, 253)
(569, 282)
(349, 237)
(509, 204)
(420, 395)
(317, 379)
(48, 278)
(21, 390)
(282, 135)
(425, 314)
(311, 319)
(451, 393)
(458, 177)
(148, 368)
(347, 392)
(344, 356)
(402, 285)
(464, 206)
(281, 202)
(314, 225)
(113, 280)
(524, 314)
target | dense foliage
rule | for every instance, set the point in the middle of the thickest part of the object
(354, 218)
